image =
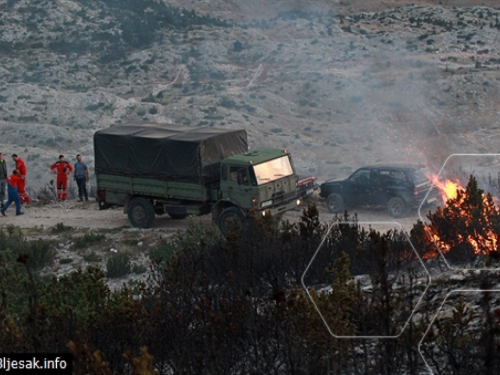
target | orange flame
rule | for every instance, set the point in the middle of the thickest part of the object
(447, 189)
(481, 241)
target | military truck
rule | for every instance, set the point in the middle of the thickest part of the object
(153, 169)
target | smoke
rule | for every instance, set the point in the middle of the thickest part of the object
(374, 87)
(353, 88)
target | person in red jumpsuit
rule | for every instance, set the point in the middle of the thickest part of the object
(21, 186)
(62, 169)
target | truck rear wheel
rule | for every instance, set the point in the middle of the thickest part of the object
(335, 203)
(141, 213)
(231, 220)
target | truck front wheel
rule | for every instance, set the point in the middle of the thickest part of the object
(141, 213)
(231, 220)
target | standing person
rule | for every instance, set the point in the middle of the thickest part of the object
(13, 184)
(82, 176)
(62, 169)
(21, 187)
(3, 178)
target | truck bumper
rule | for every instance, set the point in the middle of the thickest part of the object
(278, 210)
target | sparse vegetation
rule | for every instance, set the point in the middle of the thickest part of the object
(247, 282)
(88, 239)
(92, 257)
(61, 228)
(118, 265)
(40, 253)
(138, 268)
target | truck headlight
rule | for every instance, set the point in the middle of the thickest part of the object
(298, 202)
(254, 203)
(266, 203)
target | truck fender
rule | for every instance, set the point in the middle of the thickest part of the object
(126, 202)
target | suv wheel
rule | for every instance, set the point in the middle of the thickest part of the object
(335, 203)
(396, 207)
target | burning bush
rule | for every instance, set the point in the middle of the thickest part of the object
(467, 226)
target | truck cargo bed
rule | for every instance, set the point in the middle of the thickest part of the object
(114, 185)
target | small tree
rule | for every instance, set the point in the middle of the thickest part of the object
(468, 225)
(237, 46)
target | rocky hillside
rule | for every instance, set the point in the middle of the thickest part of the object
(336, 84)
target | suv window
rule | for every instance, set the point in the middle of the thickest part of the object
(393, 176)
(420, 175)
(360, 177)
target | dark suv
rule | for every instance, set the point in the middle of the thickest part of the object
(398, 187)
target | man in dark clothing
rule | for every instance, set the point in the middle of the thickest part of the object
(3, 178)
(81, 176)
(13, 182)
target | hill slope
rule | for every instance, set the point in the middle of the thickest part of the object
(338, 84)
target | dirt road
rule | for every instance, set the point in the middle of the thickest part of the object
(81, 215)
(88, 215)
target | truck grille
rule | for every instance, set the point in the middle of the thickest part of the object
(282, 197)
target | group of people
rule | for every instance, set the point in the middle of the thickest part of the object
(16, 182)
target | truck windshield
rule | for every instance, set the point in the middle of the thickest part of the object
(272, 170)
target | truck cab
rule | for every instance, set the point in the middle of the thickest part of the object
(263, 180)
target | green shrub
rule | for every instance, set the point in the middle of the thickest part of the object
(83, 293)
(130, 241)
(94, 107)
(92, 257)
(87, 239)
(60, 228)
(40, 253)
(35, 254)
(139, 268)
(228, 103)
(13, 278)
(118, 265)
(191, 237)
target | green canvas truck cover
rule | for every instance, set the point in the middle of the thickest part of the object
(166, 152)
